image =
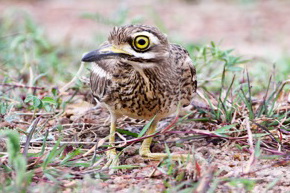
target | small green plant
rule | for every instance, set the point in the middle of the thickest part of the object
(212, 63)
(20, 178)
(247, 184)
(47, 103)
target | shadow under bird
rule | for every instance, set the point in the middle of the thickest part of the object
(138, 73)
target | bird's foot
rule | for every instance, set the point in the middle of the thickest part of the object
(160, 156)
(112, 161)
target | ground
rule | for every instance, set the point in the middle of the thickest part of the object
(229, 155)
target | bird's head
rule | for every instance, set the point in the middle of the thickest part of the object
(138, 45)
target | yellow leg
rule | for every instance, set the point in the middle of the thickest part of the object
(112, 154)
(146, 153)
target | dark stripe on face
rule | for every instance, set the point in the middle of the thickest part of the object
(142, 60)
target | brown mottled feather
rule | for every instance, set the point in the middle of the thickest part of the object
(144, 93)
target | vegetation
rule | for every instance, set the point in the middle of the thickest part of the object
(43, 142)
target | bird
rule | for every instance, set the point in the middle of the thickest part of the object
(138, 73)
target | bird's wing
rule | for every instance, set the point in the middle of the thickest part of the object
(182, 60)
(193, 73)
(188, 81)
(187, 73)
(100, 80)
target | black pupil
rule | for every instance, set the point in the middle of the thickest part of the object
(141, 42)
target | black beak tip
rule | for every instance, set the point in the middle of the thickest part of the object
(89, 57)
(84, 59)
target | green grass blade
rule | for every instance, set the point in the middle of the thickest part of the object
(146, 127)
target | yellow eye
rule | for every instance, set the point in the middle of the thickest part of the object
(141, 42)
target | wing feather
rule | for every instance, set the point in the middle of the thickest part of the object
(100, 81)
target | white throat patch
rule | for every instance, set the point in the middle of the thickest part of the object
(100, 71)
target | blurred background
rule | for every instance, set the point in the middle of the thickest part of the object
(252, 27)
(63, 30)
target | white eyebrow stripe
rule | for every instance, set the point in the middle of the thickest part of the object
(144, 55)
(153, 38)
(100, 71)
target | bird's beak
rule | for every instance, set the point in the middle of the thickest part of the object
(106, 51)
